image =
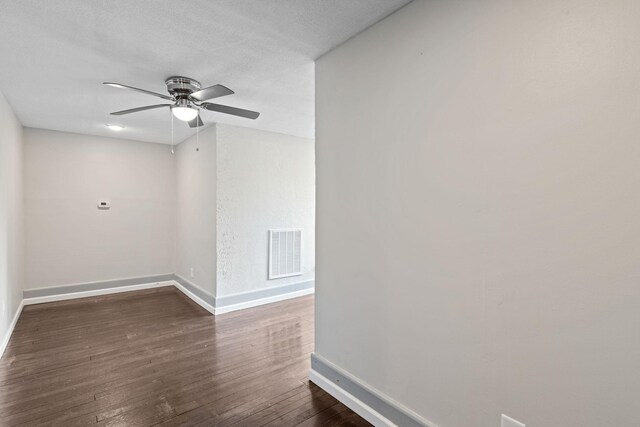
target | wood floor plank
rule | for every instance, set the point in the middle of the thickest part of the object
(153, 357)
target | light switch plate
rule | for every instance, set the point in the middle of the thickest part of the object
(510, 422)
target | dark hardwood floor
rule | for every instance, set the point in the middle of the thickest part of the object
(156, 358)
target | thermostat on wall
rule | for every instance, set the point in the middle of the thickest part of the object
(103, 204)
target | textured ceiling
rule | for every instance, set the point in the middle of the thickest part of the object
(54, 55)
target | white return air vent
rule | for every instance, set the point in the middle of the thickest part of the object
(285, 253)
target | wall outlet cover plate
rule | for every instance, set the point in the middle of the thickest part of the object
(510, 422)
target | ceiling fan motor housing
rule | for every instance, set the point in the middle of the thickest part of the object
(182, 86)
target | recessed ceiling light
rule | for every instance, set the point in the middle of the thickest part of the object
(115, 127)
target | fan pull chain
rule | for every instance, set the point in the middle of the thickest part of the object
(198, 131)
(172, 133)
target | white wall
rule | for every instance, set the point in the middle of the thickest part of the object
(192, 211)
(196, 210)
(477, 214)
(11, 222)
(265, 180)
(68, 240)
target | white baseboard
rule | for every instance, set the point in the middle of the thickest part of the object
(12, 326)
(262, 301)
(371, 404)
(216, 310)
(355, 404)
(202, 303)
(97, 292)
(221, 305)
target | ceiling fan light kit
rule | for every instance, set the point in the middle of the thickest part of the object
(182, 110)
(188, 98)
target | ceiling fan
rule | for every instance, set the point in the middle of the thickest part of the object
(188, 98)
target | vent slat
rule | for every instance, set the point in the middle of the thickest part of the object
(285, 253)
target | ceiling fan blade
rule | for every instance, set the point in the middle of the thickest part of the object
(135, 110)
(196, 123)
(211, 92)
(148, 92)
(230, 110)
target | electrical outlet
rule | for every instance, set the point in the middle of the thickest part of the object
(510, 422)
(191, 272)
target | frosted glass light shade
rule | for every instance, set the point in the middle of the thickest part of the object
(186, 114)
